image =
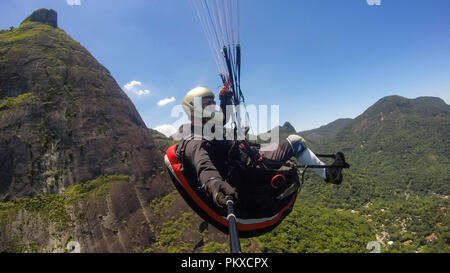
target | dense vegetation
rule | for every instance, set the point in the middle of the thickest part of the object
(312, 227)
(398, 182)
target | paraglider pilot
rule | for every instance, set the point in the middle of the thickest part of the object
(207, 157)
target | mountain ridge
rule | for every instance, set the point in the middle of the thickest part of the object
(54, 88)
(327, 130)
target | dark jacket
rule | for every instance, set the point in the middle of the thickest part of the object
(206, 159)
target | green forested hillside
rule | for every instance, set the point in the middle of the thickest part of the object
(398, 182)
(313, 227)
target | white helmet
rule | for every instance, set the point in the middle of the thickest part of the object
(193, 108)
(196, 93)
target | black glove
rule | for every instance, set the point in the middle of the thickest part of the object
(221, 191)
(334, 175)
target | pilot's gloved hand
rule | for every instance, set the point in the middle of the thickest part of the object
(221, 191)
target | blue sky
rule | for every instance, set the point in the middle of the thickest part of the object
(319, 60)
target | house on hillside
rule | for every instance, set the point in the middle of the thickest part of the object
(431, 237)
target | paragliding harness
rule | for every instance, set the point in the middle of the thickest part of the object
(267, 189)
(264, 180)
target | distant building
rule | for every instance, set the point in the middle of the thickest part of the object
(408, 243)
(431, 237)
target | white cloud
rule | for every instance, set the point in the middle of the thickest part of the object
(133, 86)
(143, 92)
(166, 129)
(73, 2)
(166, 101)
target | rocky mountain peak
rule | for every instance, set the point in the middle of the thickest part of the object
(45, 16)
(289, 127)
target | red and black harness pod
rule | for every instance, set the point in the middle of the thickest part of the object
(252, 219)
